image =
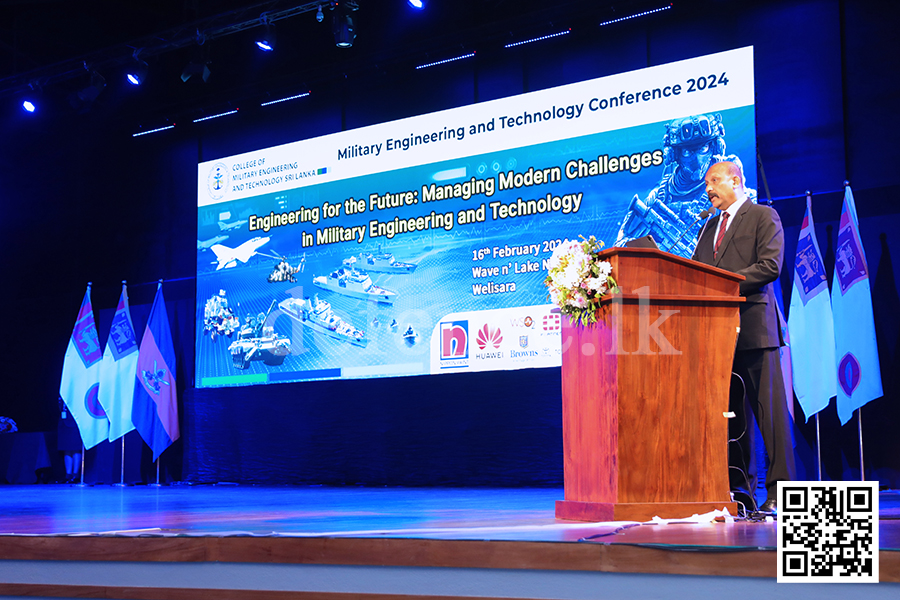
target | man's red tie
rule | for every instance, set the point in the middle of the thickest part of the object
(721, 234)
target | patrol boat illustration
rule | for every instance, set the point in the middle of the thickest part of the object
(384, 262)
(258, 341)
(318, 316)
(352, 282)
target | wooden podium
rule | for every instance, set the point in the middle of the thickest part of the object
(645, 392)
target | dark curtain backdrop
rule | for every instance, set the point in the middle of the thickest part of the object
(83, 201)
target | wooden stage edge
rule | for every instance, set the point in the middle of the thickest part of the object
(619, 558)
(387, 552)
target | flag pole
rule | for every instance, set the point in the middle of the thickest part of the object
(83, 451)
(862, 468)
(157, 484)
(122, 470)
(818, 447)
(158, 287)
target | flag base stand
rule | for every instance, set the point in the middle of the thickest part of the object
(157, 484)
(122, 469)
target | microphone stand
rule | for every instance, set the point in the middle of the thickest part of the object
(703, 215)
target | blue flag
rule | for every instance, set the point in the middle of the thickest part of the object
(81, 377)
(810, 323)
(856, 351)
(155, 409)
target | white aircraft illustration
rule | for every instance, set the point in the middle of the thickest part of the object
(229, 226)
(207, 244)
(228, 257)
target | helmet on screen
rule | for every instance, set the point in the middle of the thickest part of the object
(691, 142)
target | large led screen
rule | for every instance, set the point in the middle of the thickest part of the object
(420, 246)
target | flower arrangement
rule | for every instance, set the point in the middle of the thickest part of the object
(577, 279)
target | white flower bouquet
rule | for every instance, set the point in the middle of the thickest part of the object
(577, 279)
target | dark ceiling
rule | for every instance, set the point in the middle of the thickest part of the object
(46, 46)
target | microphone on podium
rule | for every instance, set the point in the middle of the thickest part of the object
(703, 215)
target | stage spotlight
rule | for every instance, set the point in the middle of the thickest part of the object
(344, 23)
(417, 4)
(196, 67)
(96, 84)
(320, 16)
(266, 41)
(29, 106)
(137, 72)
(83, 97)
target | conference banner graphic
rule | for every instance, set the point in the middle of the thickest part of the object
(421, 245)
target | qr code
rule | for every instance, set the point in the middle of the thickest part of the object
(827, 532)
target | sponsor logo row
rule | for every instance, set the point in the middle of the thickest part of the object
(527, 339)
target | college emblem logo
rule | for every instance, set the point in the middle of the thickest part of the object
(217, 181)
(523, 341)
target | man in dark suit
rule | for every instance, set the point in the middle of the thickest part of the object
(748, 239)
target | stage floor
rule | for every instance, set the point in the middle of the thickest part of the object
(432, 513)
(171, 543)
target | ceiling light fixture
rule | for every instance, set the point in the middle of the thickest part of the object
(196, 68)
(137, 71)
(344, 23)
(82, 99)
(266, 41)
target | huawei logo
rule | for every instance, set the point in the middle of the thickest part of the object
(488, 336)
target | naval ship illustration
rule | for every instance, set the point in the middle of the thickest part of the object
(354, 283)
(384, 262)
(318, 316)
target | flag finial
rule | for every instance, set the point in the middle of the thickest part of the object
(90, 283)
(159, 287)
(846, 183)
